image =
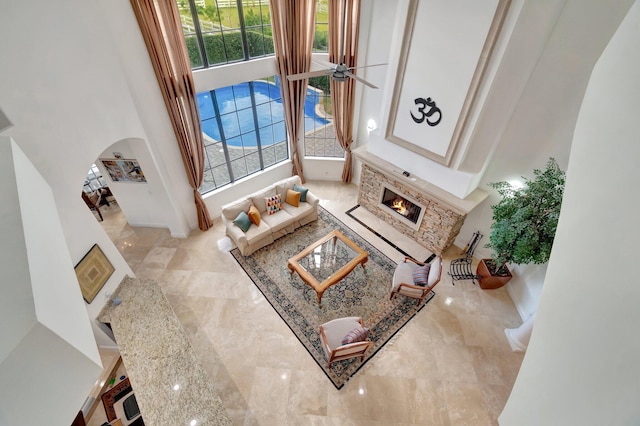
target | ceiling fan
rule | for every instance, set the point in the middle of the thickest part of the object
(338, 72)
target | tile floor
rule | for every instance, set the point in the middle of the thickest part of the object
(451, 365)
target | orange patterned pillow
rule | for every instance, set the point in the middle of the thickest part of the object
(254, 215)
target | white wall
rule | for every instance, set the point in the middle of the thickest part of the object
(46, 334)
(581, 366)
(543, 119)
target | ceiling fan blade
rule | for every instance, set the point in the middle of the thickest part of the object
(324, 64)
(361, 80)
(367, 66)
(304, 75)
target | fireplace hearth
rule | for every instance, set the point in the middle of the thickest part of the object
(401, 205)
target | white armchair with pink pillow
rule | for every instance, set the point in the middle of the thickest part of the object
(344, 338)
(416, 279)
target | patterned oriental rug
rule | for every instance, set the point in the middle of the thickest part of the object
(363, 292)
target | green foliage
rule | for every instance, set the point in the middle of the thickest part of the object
(321, 41)
(214, 45)
(525, 219)
(321, 83)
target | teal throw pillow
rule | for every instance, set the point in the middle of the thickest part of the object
(303, 192)
(243, 221)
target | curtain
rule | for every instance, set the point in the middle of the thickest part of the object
(293, 23)
(161, 28)
(343, 94)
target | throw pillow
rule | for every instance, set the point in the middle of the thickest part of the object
(358, 334)
(254, 215)
(293, 198)
(421, 275)
(303, 192)
(274, 204)
(242, 221)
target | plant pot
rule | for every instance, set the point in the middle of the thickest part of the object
(488, 280)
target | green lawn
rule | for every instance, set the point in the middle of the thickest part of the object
(229, 15)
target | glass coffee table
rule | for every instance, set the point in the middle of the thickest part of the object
(327, 261)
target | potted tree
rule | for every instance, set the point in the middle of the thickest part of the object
(524, 224)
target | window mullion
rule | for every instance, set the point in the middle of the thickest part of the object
(198, 30)
(243, 30)
(223, 139)
(256, 125)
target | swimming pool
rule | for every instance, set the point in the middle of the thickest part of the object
(237, 116)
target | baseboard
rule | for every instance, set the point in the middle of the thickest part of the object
(521, 309)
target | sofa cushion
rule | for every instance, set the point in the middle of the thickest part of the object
(242, 221)
(292, 198)
(278, 220)
(254, 215)
(288, 183)
(302, 210)
(274, 204)
(259, 197)
(303, 192)
(230, 211)
(421, 275)
(256, 233)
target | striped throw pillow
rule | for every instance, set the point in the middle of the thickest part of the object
(421, 275)
(358, 334)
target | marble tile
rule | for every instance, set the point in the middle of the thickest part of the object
(451, 365)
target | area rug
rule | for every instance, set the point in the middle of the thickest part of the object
(363, 292)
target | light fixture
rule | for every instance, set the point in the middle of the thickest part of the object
(371, 125)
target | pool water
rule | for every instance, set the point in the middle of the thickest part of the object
(237, 116)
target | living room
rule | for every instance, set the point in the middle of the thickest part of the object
(98, 89)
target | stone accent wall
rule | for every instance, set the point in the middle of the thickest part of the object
(440, 225)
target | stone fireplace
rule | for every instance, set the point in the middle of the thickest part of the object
(407, 209)
(418, 209)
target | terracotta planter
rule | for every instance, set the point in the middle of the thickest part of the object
(488, 281)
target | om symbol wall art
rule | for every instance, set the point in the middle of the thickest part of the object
(445, 51)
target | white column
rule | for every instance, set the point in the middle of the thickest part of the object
(519, 337)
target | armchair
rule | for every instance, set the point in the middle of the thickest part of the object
(403, 282)
(333, 332)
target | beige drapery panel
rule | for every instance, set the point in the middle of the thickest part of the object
(293, 29)
(161, 28)
(343, 94)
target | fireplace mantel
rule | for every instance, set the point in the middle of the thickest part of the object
(458, 205)
(443, 213)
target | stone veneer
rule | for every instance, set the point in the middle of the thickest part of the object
(440, 224)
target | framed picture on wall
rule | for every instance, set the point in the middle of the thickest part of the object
(124, 170)
(436, 85)
(93, 271)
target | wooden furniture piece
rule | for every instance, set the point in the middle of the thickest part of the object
(332, 333)
(93, 202)
(460, 269)
(327, 261)
(403, 279)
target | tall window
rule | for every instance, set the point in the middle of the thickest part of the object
(223, 31)
(244, 131)
(320, 138)
(321, 36)
(319, 135)
(94, 180)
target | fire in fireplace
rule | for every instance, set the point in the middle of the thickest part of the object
(401, 205)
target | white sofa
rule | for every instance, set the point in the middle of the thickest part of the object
(271, 227)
